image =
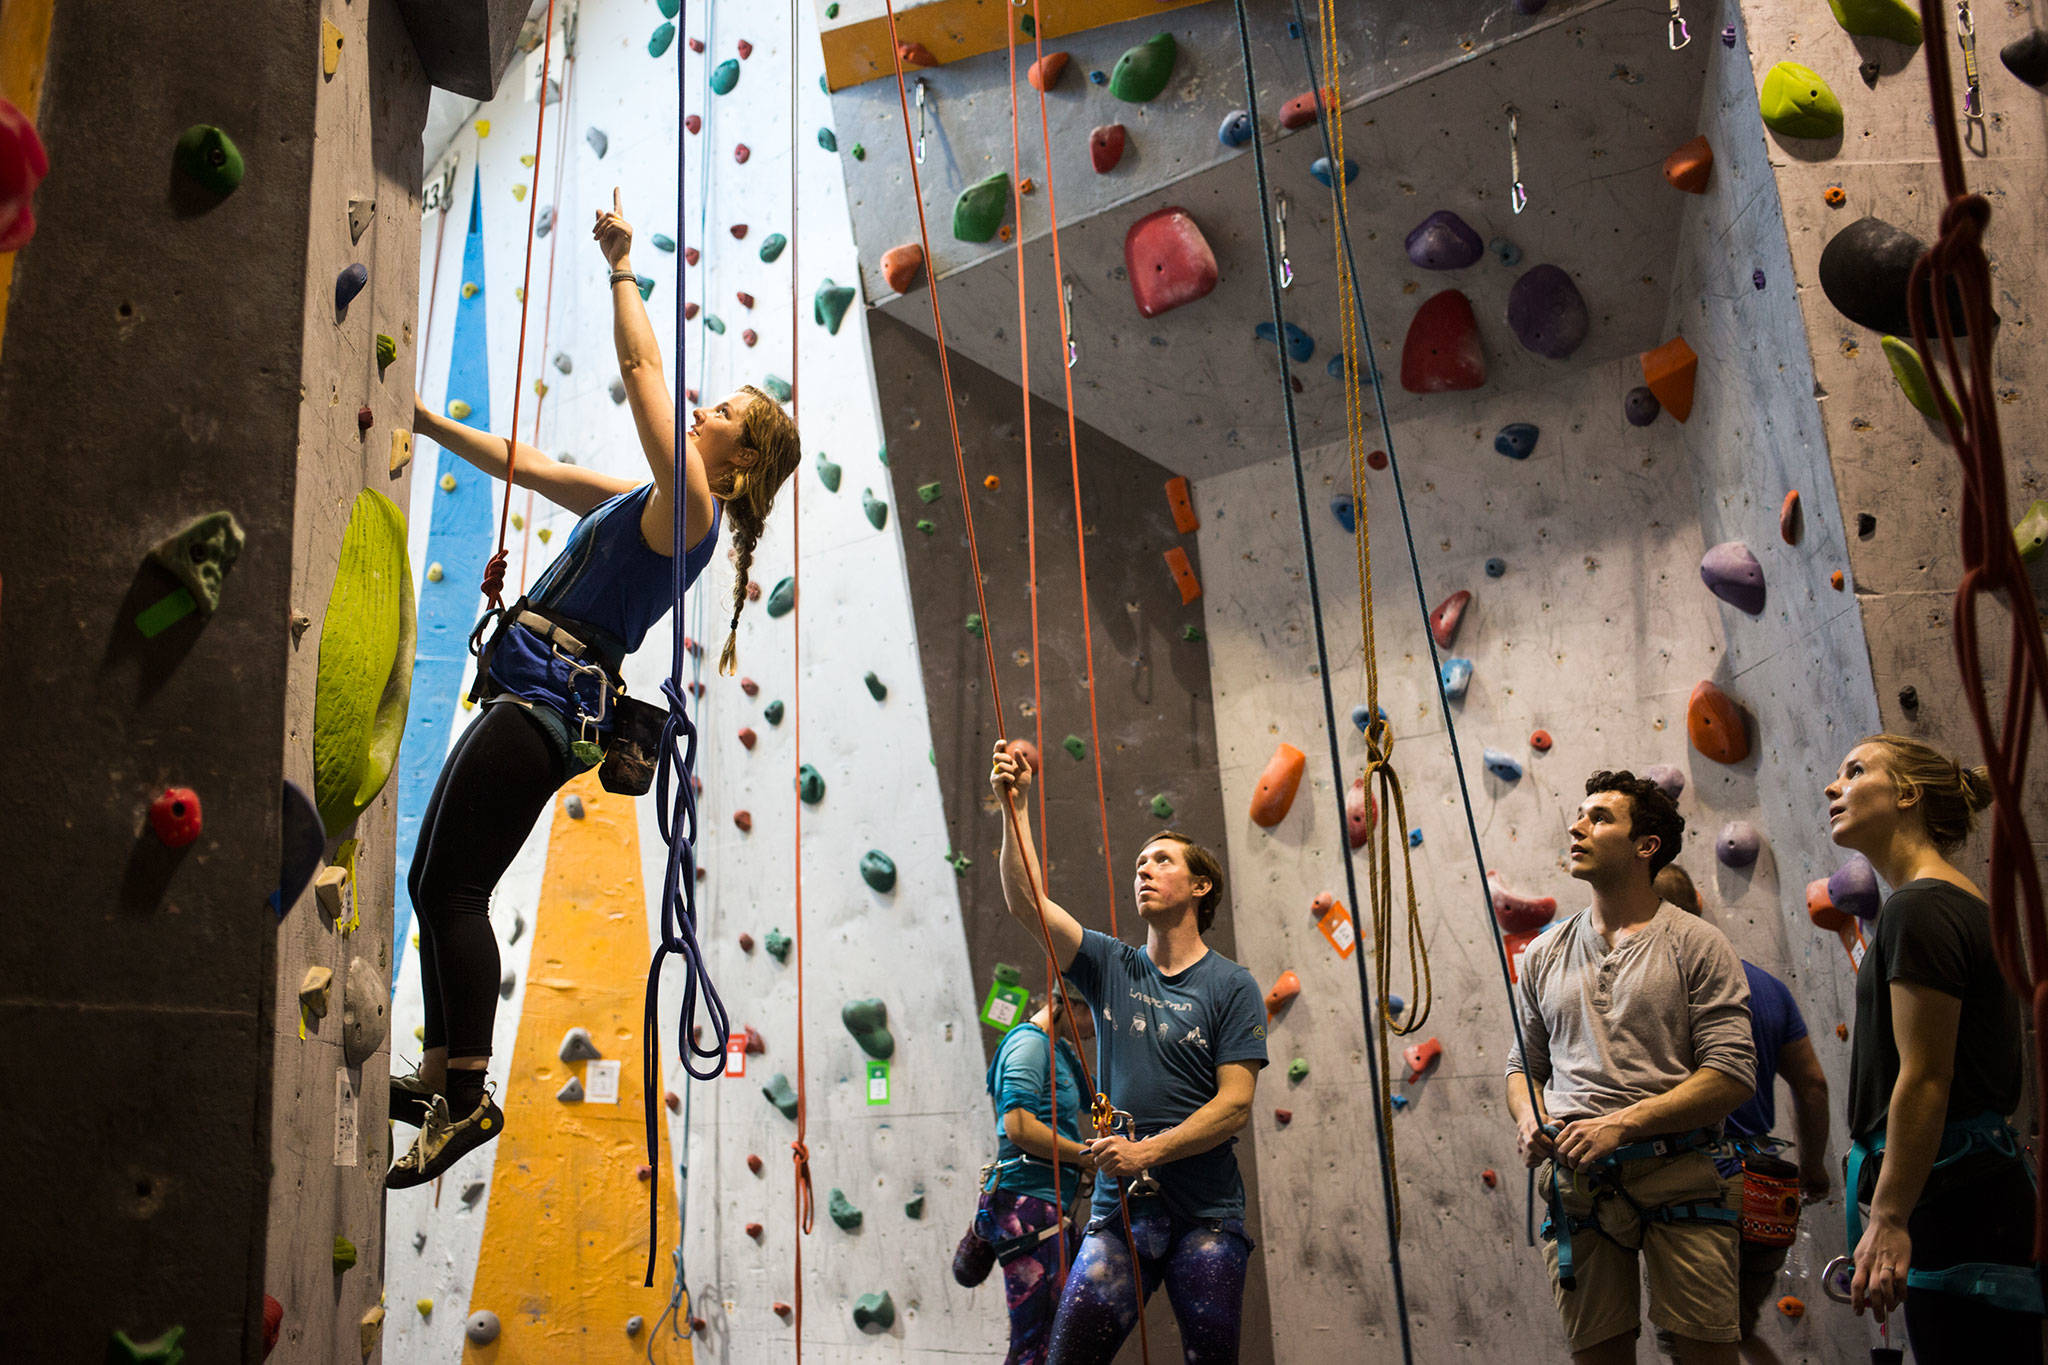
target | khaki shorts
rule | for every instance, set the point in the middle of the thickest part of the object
(1692, 1267)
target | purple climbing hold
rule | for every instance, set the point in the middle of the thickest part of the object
(1640, 406)
(1732, 574)
(1547, 312)
(1236, 130)
(1852, 888)
(1530, 6)
(347, 285)
(1738, 844)
(1756, 277)
(1517, 440)
(1346, 513)
(1728, 36)
(1666, 777)
(1300, 345)
(1444, 241)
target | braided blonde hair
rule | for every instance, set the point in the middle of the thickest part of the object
(749, 496)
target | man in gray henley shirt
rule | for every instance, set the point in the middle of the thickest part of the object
(1635, 1023)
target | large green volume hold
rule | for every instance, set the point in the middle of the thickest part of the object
(1796, 102)
(1141, 73)
(979, 210)
(363, 682)
(1893, 19)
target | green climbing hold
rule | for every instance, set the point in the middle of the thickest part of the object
(663, 242)
(714, 324)
(882, 454)
(363, 680)
(772, 712)
(832, 10)
(959, 862)
(669, 8)
(1796, 102)
(828, 139)
(876, 687)
(2032, 533)
(344, 1254)
(1912, 377)
(979, 210)
(877, 510)
(782, 598)
(1297, 1069)
(914, 1207)
(860, 153)
(1141, 73)
(1893, 19)
(828, 309)
(927, 525)
(725, 76)
(646, 283)
(387, 351)
(779, 1092)
(658, 41)
(878, 870)
(810, 786)
(778, 386)
(843, 1212)
(163, 1350)
(929, 492)
(200, 556)
(777, 944)
(1192, 634)
(868, 1022)
(1162, 807)
(876, 1311)
(974, 623)
(1027, 26)
(771, 246)
(1075, 746)
(828, 474)
(209, 158)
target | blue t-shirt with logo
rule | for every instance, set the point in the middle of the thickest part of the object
(1017, 1080)
(1158, 1043)
(1774, 1021)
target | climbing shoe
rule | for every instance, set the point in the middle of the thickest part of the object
(411, 1098)
(443, 1142)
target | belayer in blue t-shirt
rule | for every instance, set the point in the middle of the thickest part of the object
(550, 684)
(1180, 1039)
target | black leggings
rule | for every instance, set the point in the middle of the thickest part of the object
(498, 779)
(1982, 1209)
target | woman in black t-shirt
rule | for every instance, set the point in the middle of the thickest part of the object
(1937, 1046)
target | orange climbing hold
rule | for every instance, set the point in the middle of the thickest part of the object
(1335, 922)
(1820, 907)
(744, 820)
(1714, 724)
(1669, 371)
(1045, 73)
(915, 54)
(902, 265)
(1183, 575)
(1284, 990)
(1835, 580)
(1184, 519)
(1421, 1057)
(992, 483)
(1305, 108)
(1688, 168)
(1277, 785)
(747, 736)
(1792, 1306)
(1788, 519)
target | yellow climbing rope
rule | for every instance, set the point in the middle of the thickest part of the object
(1379, 735)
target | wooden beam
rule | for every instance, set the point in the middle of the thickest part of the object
(955, 29)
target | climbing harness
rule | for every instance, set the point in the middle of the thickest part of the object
(2014, 1288)
(1992, 566)
(1603, 1179)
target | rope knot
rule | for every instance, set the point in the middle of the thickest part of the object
(494, 579)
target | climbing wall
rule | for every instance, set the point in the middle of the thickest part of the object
(547, 1230)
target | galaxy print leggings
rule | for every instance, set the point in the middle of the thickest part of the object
(1031, 1282)
(1202, 1264)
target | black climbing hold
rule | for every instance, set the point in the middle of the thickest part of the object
(1640, 406)
(1496, 567)
(347, 285)
(1909, 698)
(2027, 58)
(1866, 525)
(1864, 272)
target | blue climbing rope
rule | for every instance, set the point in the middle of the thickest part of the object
(675, 798)
(1244, 38)
(1379, 394)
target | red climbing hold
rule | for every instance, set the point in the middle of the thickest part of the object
(365, 419)
(746, 299)
(696, 44)
(1519, 914)
(753, 1042)
(783, 1310)
(689, 311)
(645, 1173)
(739, 231)
(694, 123)
(1376, 460)
(750, 687)
(1715, 725)
(1045, 73)
(1283, 1117)
(754, 1231)
(915, 54)
(175, 816)
(273, 1324)
(23, 164)
(750, 336)
(673, 1101)
(1169, 261)
(697, 1326)
(1442, 350)
(1106, 147)
(754, 1163)
(1422, 1056)
(743, 819)
(1490, 1176)
(746, 943)
(1361, 810)
(1449, 613)
(744, 48)
(1539, 740)
(1820, 908)
(901, 266)
(740, 153)
(1304, 109)
(1025, 752)
(747, 736)
(690, 254)
(1688, 167)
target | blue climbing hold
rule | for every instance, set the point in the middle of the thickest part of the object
(1457, 678)
(1361, 717)
(1347, 515)
(1517, 440)
(1335, 369)
(1236, 130)
(1320, 169)
(1400, 1102)
(1496, 566)
(1415, 838)
(1098, 78)
(1503, 766)
(348, 284)
(1300, 345)
(1396, 1003)
(1505, 251)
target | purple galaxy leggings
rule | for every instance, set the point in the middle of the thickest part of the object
(1203, 1267)
(1031, 1282)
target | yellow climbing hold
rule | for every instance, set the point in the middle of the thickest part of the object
(434, 572)
(363, 681)
(519, 193)
(401, 448)
(426, 1307)
(469, 288)
(330, 48)
(483, 127)
(458, 409)
(526, 159)
(518, 522)
(1911, 375)
(545, 535)
(447, 483)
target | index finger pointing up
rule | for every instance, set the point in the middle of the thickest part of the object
(615, 202)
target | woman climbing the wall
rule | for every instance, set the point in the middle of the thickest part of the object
(1934, 1070)
(549, 683)
(1018, 1220)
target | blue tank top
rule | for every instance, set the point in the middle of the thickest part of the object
(606, 578)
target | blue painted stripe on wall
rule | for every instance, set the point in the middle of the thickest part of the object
(460, 537)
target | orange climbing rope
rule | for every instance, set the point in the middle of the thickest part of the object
(1991, 556)
(547, 308)
(494, 570)
(988, 633)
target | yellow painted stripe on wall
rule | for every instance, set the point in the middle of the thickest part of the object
(24, 49)
(565, 1235)
(953, 29)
